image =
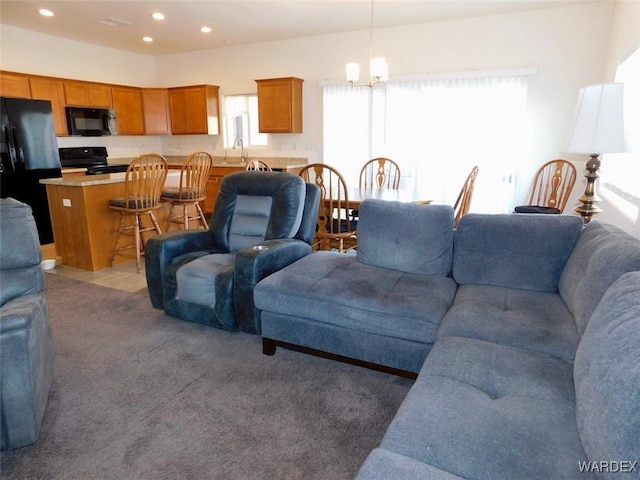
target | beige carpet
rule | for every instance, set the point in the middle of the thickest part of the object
(140, 395)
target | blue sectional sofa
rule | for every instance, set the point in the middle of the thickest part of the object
(523, 330)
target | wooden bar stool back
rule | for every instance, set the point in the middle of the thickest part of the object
(194, 175)
(144, 180)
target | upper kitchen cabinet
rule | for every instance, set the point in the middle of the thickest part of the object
(52, 89)
(155, 104)
(280, 105)
(127, 102)
(195, 109)
(14, 85)
(87, 94)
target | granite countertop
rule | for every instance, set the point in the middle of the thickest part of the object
(89, 180)
(274, 162)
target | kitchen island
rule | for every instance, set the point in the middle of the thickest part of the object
(84, 227)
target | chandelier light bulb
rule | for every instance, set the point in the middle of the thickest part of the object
(353, 72)
(379, 70)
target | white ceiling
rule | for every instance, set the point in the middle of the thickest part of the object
(236, 22)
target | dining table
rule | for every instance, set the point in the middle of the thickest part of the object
(357, 195)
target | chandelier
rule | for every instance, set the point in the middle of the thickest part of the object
(378, 68)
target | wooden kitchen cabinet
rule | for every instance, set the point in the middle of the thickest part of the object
(280, 105)
(213, 185)
(127, 102)
(155, 105)
(52, 89)
(195, 110)
(14, 85)
(87, 94)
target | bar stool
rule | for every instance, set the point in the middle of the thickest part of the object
(144, 180)
(258, 165)
(192, 190)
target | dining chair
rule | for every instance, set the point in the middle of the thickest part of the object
(336, 226)
(463, 202)
(194, 175)
(259, 165)
(144, 180)
(551, 188)
(380, 173)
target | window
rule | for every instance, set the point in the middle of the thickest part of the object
(620, 172)
(241, 121)
(436, 129)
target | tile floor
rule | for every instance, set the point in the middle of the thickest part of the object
(122, 277)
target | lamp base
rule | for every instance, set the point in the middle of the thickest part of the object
(589, 198)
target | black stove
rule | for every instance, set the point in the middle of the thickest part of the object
(94, 159)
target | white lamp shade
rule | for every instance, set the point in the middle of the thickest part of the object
(597, 125)
(379, 69)
(353, 72)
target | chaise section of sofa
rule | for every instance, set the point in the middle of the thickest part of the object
(382, 306)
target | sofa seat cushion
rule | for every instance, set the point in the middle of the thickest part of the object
(538, 321)
(385, 465)
(482, 410)
(336, 289)
(198, 280)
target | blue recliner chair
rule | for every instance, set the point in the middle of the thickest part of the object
(26, 347)
(262, 222)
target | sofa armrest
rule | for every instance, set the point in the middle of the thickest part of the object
(161, 249)
(252, 265)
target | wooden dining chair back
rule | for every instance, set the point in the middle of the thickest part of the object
(259, 165)
(144, 181)
(194, 175)
(463, 202)
(336, 228)
(380, 173)
(552, 185)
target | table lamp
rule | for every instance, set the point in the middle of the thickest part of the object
(597, 128)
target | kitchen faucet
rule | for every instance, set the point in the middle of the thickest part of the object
(239, 141)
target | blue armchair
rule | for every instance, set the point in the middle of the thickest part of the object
(26, 347)
(262, 222)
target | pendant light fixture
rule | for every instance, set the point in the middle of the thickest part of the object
(378, 68)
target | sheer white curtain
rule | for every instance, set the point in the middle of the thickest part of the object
(436, 130)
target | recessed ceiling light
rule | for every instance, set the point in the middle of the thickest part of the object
(147, 39)
(45, 13)
(205, 29)
(158, 16)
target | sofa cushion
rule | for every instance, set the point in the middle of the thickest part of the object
(527, 251)
(602, 254)
(197, 281)
(405, 236)
(486, 411)
(537, 321)
(253, 206)
(607, 376)
(337, 289)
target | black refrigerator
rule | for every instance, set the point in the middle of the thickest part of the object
(28, 153)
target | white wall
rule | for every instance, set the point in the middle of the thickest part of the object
(624, 40)
(567, 44)
(568, 53)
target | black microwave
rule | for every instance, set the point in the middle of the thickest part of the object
(91, 122)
